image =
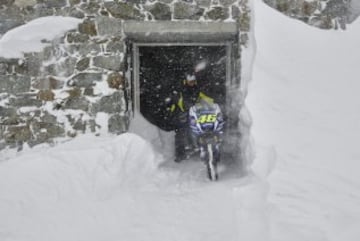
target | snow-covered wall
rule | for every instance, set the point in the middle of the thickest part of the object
(78, 81)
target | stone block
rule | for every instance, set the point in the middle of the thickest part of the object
(7, 111)
(75, 92)
(244, 22)
(76, 13)
(124, 10)
(116, 80)
(56, 130)
(85, 79)
(21, 68)
(45, 95)
(84, 49)
(48, 83)
(66, 67)
(160, 11)
(90, 8)
(6, 2)
(24, 101)
(110, 104)
(14, 84)
(11, 120)
(74, 2)
(137, 1)
(218, 13)
(116, 45)
(75, 37)
(16, 134)
(118, 124)
(41, 10)
(88, 27)
(3, 68)
(92, 125)
(55, 3)
(104, 12)
(227, 3)
(83, 64)
(2, 144)
(8, 23)
(25, 3)
(77, 103)
(45, 132)
(108, 62)
(34, 63)
(89, 91)
(204, 3)
(80, 125)
(48, 118)
(108, 26)
(308, 8)
(184, 10)
(49, 69)
(55, 83)
(48, 52)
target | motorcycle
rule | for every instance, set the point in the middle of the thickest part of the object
(206, 127)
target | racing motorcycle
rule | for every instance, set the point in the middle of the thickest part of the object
(206, 127)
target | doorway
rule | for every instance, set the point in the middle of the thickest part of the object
(160, 70)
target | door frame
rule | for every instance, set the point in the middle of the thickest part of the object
(135, 65)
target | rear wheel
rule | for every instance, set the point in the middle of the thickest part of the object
(211, 163)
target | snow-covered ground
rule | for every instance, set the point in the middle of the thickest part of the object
(304, 184)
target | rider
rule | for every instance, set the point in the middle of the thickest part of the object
(189, 95)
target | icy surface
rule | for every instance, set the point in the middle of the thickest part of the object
(304, 184)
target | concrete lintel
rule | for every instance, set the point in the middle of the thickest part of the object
(181, 31)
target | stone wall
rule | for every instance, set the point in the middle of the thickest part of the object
(324, 14)
(80, 79)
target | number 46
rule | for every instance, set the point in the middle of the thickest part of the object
(207, 118)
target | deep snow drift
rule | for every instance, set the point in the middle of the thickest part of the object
(304, 183)
(306, 124)
(96, 188)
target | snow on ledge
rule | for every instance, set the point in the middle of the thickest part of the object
(30, 37)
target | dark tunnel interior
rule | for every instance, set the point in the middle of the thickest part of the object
(162, 71)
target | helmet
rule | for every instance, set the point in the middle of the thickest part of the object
(190, 79)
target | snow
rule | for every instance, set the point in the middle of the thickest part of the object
(303, 183)
(32, 36)
(304, 105)
(354, 10)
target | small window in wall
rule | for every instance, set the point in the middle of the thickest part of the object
(162, 69)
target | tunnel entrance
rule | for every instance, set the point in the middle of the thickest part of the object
(162, 69)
